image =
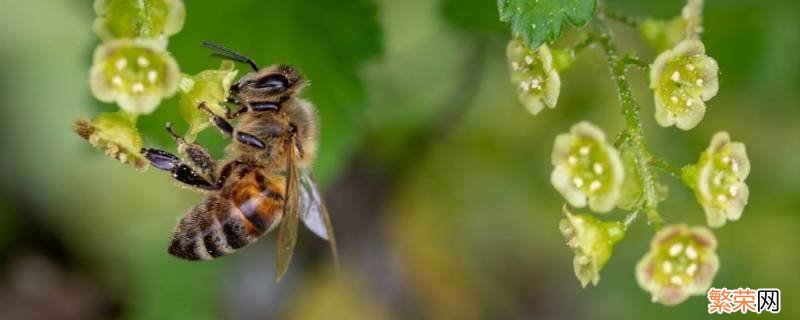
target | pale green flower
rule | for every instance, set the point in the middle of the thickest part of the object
(682, 262)
(586, 168)
(151, 19)
(136, 74)
(532, 73)
(592, 242)
(718, 179)
(209, 87)
(682, 79)
(116, 135)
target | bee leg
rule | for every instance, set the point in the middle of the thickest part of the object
(180, 171)
(230, 114)
(227, 129)
(198, 156)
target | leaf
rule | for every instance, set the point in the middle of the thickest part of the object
(537, 21)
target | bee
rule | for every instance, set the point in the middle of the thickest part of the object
(265, 181)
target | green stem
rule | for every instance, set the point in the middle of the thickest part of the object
(630, 109)
(620, 17)
(583, 44)
(663, 165)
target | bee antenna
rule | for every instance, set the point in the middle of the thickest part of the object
(224, 52)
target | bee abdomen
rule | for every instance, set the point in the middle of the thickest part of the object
(211, 229)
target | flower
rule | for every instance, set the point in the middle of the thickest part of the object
(532, 72)
(136, 74)
(116, 135)
(592, 241)
(209, 87)
(587, 167)
(718, 179)
(152, 19)
(683, 78)
(682, 261)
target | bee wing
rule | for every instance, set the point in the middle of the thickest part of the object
(313, 211)
(287, 233)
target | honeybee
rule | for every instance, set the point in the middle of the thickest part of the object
(265, 181)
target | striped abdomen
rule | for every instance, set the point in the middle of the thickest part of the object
(231, 219)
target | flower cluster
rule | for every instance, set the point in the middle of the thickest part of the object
(718, 179)
(682, 261)
(131, 68)
(682, 79)
(592, 241)
(587, 168)
(532, 72)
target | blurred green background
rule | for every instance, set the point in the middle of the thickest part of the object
(436, 178)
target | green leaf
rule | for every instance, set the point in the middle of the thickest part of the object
(537, 21)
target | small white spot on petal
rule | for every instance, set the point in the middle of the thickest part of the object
(584, 150)
(726, 160)
(152, 76)
(121, 63)
(689, 67)
(699, 82)
(722, 198)
(691, 269)
(735, 166)
(137, 87)
(689, 102)
(675, 249)
(536, 84)
(674, 99)
(578, 182)
(676, 280)
(691, 253)
(595, 185)
(733, 190)
(142, 61)
(676, 76)
(597, 167)
(116, 80)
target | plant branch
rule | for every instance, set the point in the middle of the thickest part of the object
(630, 109)
(663, 165)
(620, 17)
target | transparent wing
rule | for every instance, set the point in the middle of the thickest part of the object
(287, 234)
(313, 211)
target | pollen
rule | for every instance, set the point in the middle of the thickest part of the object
(722, 198)
(578, 182)
(675, 249)
(676, 280)
(674, 99)
(595, 185)
(137, 87)
(690, 67)
(121, 63)
(691, 253)
(666, 267)
(689, 102)
(699, 82)
(735, 166)
(584, 150)
(676, 76)
(142, 61)
(691, 269)
(528, 59)
(598, 168)
(733, 190)
(152, 76)
(116, 80)
(572, 160)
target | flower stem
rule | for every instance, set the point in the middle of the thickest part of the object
(620, 17)
(630, 109)
(663, 165)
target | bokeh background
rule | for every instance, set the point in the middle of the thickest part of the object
(436, 178)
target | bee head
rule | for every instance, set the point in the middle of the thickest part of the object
(268, 84)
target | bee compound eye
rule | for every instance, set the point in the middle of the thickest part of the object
(273, 83)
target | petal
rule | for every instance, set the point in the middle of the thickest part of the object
(736, 204)
(718, 141)
(552, 89)
(705, 274)
(690, 47)
(561, 147)
(533, 103)
(691, 116)
(561, 181)
(658, 67)
(587, 129)
(710, 78)
(739, 154)
(664, 117)
(604, 203)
